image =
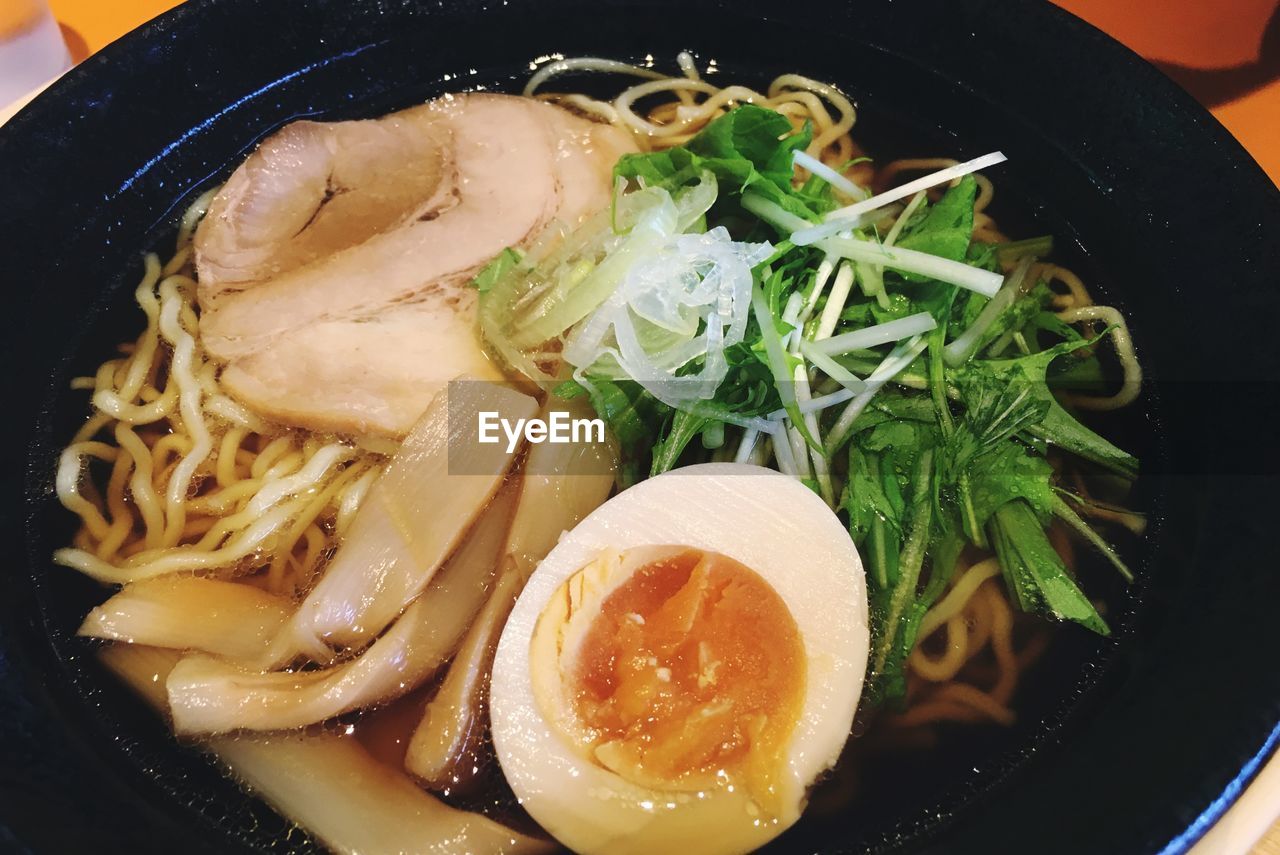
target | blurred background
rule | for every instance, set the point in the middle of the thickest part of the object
(1225, 53)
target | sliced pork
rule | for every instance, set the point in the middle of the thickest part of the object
(315, 188)
(335, 265)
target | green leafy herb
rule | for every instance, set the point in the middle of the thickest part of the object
(994, 412)
(946, 228)
(1035, 573)
(495, 270)
(1057, 426)
(899, 609)
(684, 428)
(749, 147)
(631, 414)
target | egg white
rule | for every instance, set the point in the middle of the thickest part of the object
(769, 523)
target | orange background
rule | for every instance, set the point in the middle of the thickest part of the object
(1216, 49)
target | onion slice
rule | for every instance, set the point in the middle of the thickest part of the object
(210, 695)
(330, 785)
(402, 533)
(451, 735)
(873, 336)
(190, 613)
(562, 483)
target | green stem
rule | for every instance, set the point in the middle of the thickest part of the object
(938, 380)
(912, 558)
(1067, 514)
(938, 392)
(879, 557)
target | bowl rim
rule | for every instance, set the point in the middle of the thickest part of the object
(1226, 147)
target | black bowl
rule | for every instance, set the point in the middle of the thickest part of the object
(1138, 749)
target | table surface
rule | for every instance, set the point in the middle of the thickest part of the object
(1226, 54)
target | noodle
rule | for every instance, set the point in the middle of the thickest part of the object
(672, 123)
(948, 665)
(974, 616)
(196, 483)
(1076, 294)
(980, 620)
(1132, 383)
(958, 597)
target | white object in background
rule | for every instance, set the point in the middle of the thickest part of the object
(32, 51)
(8, 112)
(1245, 823)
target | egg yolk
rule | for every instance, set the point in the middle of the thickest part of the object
(691, 675)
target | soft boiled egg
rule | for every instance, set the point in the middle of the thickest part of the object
(683, 665)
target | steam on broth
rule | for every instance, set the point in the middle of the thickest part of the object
(840, 406)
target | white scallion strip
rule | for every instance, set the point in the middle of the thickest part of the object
(913, 261)
(791, 315)
(829, 175)
(782, 451)
(871, 276)
(825, 268)
(799, 447)
(835, 303)
(821, 473)
(848, 217)
(889, 331)
(831, 368)
(905, 260)
(773, 352)
(787, 222)
(747, 447)
(815, 405)
(824, 402)
(772, 212)
(799, 450)
(894, 364)
(958, 352)
(899, 224)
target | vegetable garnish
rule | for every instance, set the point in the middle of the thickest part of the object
(877, 352)
(837, 221)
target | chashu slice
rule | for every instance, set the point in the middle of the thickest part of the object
(369, 377)
(315, 188)
(585, 153)
(356, 331)
(507, 190)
